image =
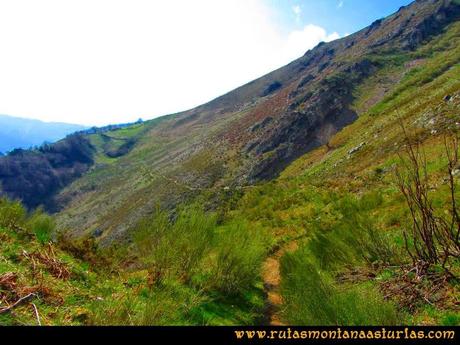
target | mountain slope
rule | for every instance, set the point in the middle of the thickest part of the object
(341, 206)
(333, 227)
(19, 133)
(250, 134)
(330, 227)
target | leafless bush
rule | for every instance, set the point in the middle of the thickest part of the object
(434, 236)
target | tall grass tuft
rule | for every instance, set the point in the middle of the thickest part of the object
(352, 236)
(311, 297)
(175, 249)
(169, 303)
(347, 236)
(239, 253)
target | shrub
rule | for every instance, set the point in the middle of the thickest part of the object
(191, 235)
(306, 297)
(310, 297)
(12, 213)
(172, 304)
(165, 304)
(360, 231)
(42, 225)
(240, 251)
(87, 250)
(193, 249)
(113, 312)
(175, 248)
(149, 234)
(352, 236)
(330, 252)
(434, 237)
(450, 319)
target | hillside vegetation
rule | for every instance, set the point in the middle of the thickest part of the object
(353, 265)
(172, 224)
(191, 271)
(240, 139)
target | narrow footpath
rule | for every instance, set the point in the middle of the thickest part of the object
(272, 278)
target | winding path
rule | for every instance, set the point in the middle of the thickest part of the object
(271, 278)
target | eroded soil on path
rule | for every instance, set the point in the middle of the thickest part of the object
(272, 279)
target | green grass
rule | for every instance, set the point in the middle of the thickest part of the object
(196, 272)
(348, 209)
(443, 55)
(312, 298)
(182, 279)
(239, 253)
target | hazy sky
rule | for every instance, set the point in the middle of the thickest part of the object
(96, 62)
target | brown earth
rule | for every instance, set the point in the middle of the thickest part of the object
(272, 279)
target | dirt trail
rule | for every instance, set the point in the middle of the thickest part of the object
(271, 278)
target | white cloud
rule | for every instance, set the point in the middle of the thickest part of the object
(108, 61)
(340, 4)
(300, 41)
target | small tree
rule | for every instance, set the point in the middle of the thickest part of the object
(434, 236)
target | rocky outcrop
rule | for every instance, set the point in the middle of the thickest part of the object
(319, 105)
(276, 85)
(302, 127)
(431, 24)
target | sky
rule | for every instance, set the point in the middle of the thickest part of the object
(96, 62)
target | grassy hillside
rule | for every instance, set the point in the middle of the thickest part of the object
(254, 132)
(323, 193)
(244, 137)
(342, 204)
(186, 272)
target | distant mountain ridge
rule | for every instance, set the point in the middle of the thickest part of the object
(17, 132)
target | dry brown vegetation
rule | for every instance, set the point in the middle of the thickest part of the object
(434, 235)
